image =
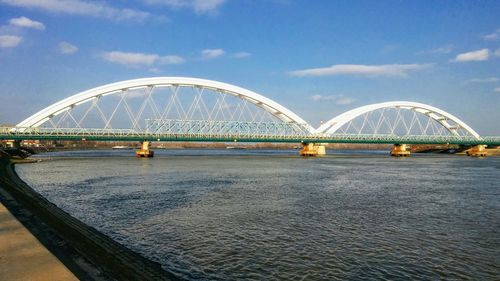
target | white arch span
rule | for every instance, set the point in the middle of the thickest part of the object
(437, 114)
(267, 104)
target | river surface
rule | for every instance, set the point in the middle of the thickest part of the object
(271, 215)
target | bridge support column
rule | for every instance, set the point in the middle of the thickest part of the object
(144, 151)
(477, 151)
(312, 149)
(399, 150)
(13, 143)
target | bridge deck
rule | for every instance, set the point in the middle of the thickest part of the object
(130, 135)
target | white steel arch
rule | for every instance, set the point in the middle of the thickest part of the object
(267, 104)
(437, 114)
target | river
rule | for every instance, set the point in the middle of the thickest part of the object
(272, 215)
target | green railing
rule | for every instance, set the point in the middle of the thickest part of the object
(132, 135)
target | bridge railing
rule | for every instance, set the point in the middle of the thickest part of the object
(178, 126)
(95, 132)
(124, 134)
(34, 131)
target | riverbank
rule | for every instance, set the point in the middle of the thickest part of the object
(23, 257)
(87, 253)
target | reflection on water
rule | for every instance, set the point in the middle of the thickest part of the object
(271, 215)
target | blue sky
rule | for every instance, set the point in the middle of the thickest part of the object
(318, 58)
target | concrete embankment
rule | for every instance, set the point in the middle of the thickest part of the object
(89, 254)
(23, 257)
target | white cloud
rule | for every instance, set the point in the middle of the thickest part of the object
(345, 101)
(67, 48)
(241, 55)
(206, 6)
(400, 70)
(27, 23)
(492, 36)
(390, 48)
(81, 7)
(198, 6)
(497, 90)
(479, 55)
(155, 70)
(171, 60)
(321, 97)
(9, 41)
(441, 50)
(130, 58)
(140, 59)
(338, 99)
(212, 53)
(482, 80)
(497, 53)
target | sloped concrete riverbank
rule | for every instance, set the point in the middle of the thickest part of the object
(87, 253)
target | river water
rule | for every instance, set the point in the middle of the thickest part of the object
(271, 215)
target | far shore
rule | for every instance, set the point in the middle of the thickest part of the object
(50, 146)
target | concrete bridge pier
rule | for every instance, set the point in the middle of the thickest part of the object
(13, 144)
(477, 151)
(144, 152)
(312, 149)
(399, 150)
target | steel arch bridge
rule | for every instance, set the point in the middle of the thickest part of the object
(191, 109)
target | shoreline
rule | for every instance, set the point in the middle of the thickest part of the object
(86, 252)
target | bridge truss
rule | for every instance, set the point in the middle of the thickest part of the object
(190, 109)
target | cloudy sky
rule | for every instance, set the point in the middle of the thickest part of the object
(318, 58)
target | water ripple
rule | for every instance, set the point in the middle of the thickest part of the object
(251, 217)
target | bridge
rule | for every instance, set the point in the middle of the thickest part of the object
(191, 109)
